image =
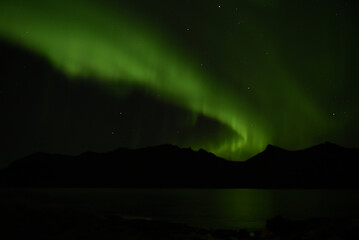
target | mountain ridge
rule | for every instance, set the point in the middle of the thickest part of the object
(325, 165)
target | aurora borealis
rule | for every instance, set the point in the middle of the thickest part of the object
(226, 76)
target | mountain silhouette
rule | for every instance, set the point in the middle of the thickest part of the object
(323, 166)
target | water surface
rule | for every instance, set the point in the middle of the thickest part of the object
(207, 208)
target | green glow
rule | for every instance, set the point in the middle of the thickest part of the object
(86, 40)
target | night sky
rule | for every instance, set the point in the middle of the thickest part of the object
(227, 76)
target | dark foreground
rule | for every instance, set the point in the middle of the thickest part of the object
(51, 221)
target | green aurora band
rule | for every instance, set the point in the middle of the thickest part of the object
(87, 40)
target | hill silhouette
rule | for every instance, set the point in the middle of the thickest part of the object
(323, 166)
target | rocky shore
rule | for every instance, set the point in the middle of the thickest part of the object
(64, 222)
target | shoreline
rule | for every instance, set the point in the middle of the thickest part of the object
(58, 221)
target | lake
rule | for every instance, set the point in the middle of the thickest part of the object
(206, 208)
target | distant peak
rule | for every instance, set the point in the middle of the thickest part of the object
(87, 153)
(160, 147)
(330, 145)
(326, 143)
(271, 147)
(204, 152)
(165, 146)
